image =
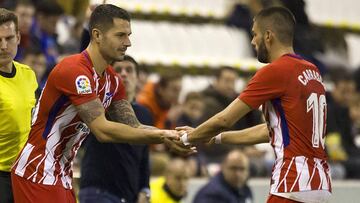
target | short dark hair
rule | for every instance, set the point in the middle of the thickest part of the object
(219, 72)
(103, 16)
(8, 16)
(49, 8)
(280, 20)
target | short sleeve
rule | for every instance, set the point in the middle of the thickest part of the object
(267, 84)
(75, 82)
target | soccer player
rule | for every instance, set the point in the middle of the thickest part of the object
(292, 96)
(79, 90)
(17, 98)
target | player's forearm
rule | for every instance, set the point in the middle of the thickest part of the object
(208, 129)
(116, 132)
(220, 122)
(254, 135)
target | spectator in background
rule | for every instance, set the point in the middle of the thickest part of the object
(71, 44)
(192, 110)
(217, 97)
(118, 171)
(340, 140)
(159, 97)
(221, 93)
(17, 98)
(143, 78)
(43, 33)
(230, 184)
(25, 11)
(243, 13)
(355, 117)
(36, 59)
(171, 188)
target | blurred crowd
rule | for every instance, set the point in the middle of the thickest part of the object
(51, 30)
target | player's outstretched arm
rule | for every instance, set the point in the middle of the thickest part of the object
(122, 111)
(93, 114)
(220, 122)
(249, 136)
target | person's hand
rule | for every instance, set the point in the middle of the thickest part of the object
(178, 147)
(187, 129)
(170, 134)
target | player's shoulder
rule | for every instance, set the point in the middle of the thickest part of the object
(268, 69)
(72, 64)
(73, 60)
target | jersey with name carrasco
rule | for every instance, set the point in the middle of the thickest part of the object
(57, 131)
(293, 97)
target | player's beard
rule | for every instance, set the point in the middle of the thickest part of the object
(262, 53)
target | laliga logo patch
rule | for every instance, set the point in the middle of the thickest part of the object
(83, 85)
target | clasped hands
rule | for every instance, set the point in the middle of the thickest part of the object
(177, 141)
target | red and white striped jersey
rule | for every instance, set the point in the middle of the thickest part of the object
(57, 131)
(292, 96)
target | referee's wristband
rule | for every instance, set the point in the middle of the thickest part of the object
(218, 139)
(184, 139)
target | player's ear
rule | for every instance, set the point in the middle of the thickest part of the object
(18, 36)
(96, 34)
(268, 35)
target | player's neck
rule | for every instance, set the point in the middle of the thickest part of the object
(7, 68)
(279, 51)
(99, 63)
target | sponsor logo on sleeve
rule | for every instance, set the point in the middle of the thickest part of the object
(83, 85)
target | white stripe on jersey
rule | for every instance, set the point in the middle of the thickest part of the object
(70, 150)
(284, 178)
(96, 79)
(54, 140)
(323, 179)
(117, 83)
(20, 169)
(275, 122)
(276, 174)
(312, 174)
(303, 176)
